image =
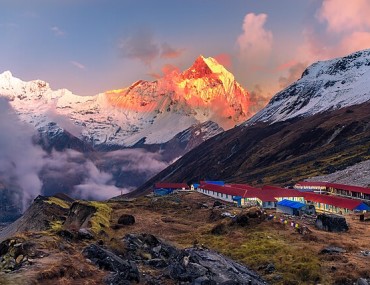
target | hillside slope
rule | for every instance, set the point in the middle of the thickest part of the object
(280, 153)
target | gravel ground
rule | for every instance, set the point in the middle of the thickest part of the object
(358, 174)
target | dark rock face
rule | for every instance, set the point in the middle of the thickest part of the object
(84, 234)
(362, 281)
(331, 223)
(217, 204)
(192, 265)
(332, 249)
(123, 270)
(78, 216)
(126, 220)
(250, 154)
(242, 220)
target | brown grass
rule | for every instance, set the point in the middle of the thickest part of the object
(180, 220)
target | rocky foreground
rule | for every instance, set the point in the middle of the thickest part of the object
(185, 238)
(59, 241)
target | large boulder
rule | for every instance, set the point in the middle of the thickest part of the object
(222, 270)
(193, 265)
(331, 223)
(126, 220)
(122, 270)
(241, 220)
(149, 249)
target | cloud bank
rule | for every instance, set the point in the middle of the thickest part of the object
(21, 161)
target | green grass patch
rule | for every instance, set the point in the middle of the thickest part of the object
(56, 226)
(259, 248)
(57, 201)
(101, 218)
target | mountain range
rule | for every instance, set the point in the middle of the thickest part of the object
(143, 113)
(122, 136)
(318, 125)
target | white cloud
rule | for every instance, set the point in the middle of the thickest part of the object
(20, 160)
(78, 64)
(58, 31)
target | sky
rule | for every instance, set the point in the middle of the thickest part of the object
(91, 46)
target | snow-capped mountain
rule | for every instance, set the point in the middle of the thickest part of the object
(146, 112)
(325, 85)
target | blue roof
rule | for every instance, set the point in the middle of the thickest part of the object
(237, 198)
(221, 183)
(196, 185)
(291, 204)
(162, 191)
(363, 207)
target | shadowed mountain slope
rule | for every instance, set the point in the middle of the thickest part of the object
(280, 153)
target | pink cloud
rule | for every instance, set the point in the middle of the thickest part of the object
(170, 52)
(255, 43)
(294, 72)
(346, 29)
(169, 69)
(224, 59)
(141, 46)
(286, 65)
(345, 16)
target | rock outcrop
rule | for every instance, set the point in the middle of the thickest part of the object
(331, 223)
(191, 266)
(122, 270)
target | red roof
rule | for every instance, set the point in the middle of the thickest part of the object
(282, 192)
(242, 186)
(227, 189)
(357, 189)
(332, 200)
(166, 185)
(247, 191)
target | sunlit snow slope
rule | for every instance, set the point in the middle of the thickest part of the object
(325, 85)
(146, 112)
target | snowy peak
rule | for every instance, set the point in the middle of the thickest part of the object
(325, 85)
(205, 91)
(149, 112)
(199, 69)
(12, 87)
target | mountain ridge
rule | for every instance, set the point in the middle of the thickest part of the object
(299, 134)
(324, 85)
(145, 110)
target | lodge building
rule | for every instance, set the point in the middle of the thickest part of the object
(323, 196)
(245, 195)
(341, 190)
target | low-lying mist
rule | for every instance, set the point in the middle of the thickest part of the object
(27, 170)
